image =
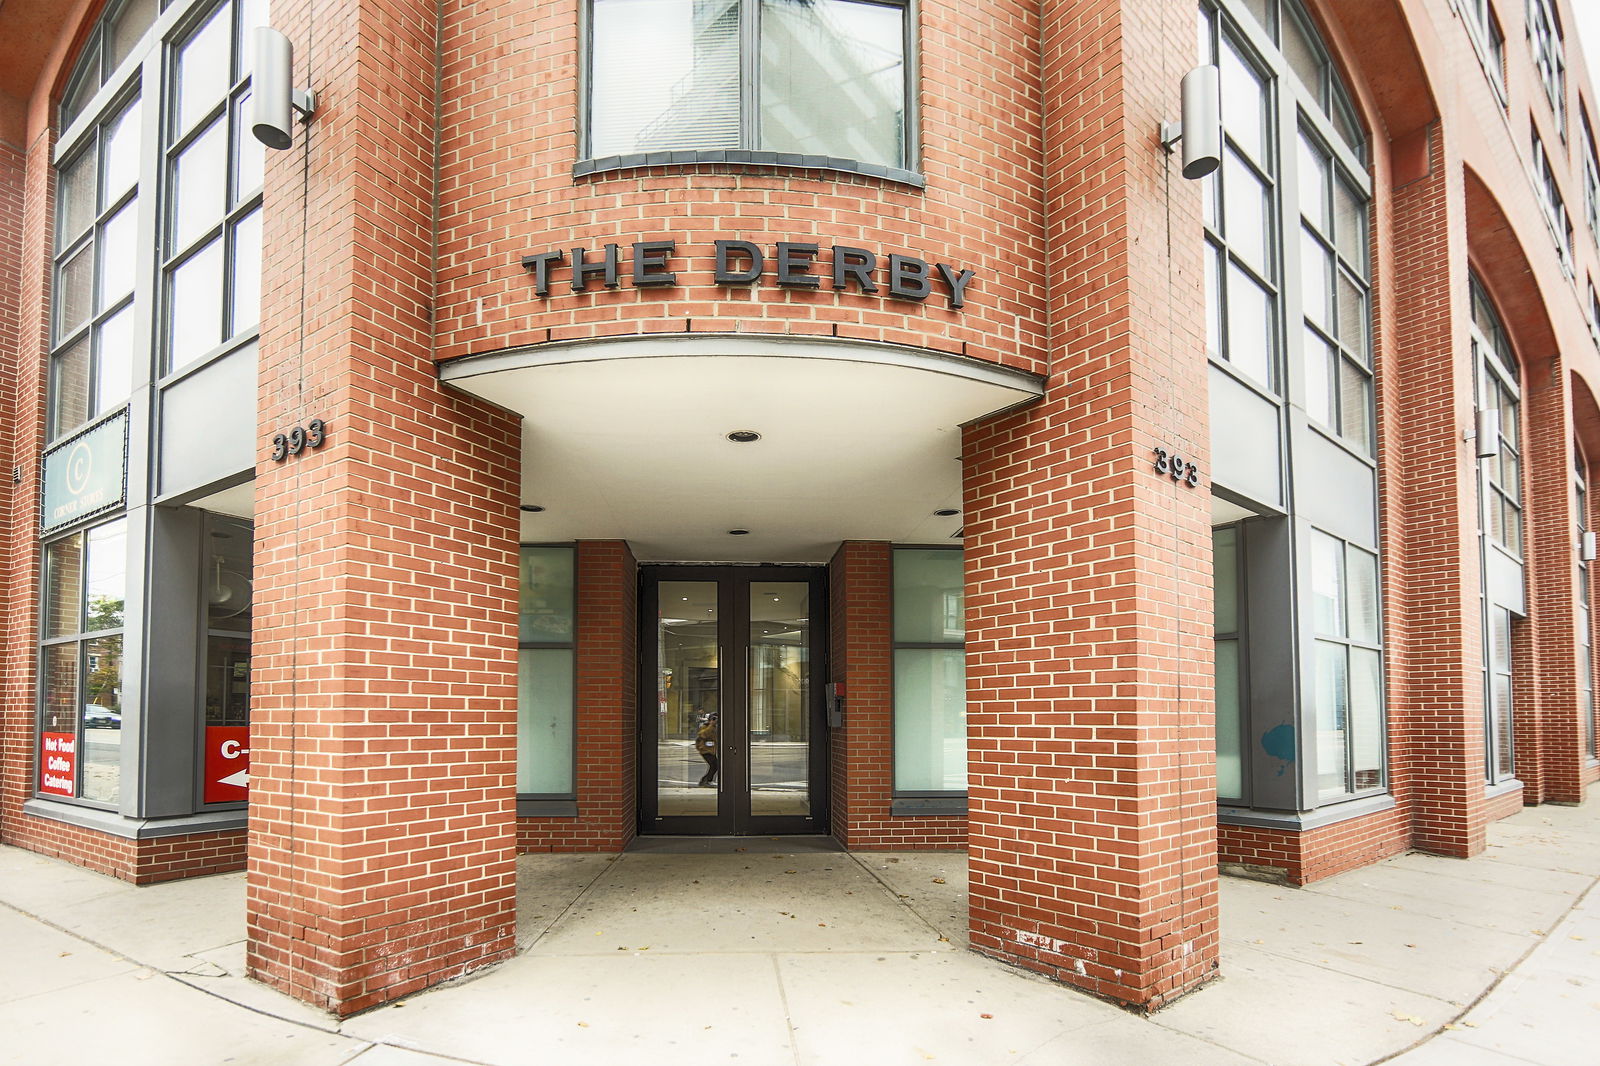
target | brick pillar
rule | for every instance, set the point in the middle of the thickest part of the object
(1549, 725)
(1092, 833)
(861, 755)
(27, 211)
(384, 703)
(608, 692)
(1436, 747)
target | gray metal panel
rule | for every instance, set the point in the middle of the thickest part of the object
(1503, 578)
(1246, 450)
(208, 423)
(172, 665)
(1274, 684)
(1334, 490)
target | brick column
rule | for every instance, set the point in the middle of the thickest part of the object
(384, 703)
(861, 755)
(1090, 722)
(1436, 747)
(1549, 725)
(15, 603)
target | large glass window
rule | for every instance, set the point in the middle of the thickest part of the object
(1495, 368)
(1591, 177)
(226, 584)
(1489, 38)
(211, 259)
(1291, 200)
(820, 78)
(1347, 672)
(1544, 38)
(1227, 545)
(545, 668)
(80, 728)
(1585, 615)
(930, 673)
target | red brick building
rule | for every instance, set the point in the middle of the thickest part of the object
(616, 417)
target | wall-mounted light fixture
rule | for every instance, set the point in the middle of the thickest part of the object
(1486, 433)
(1201, 128)
(1586, 546)
(272, 93)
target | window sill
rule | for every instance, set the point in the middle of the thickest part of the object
(928, 807)
(1496, 790)
(1301, 821)
(755, 160)
(114, 824)
(547, 808)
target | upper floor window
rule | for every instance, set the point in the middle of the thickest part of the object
(1591, 176)
(1544, 37)
(1555, 208)
(824, 81)
(1489, 38)
(112, 41)
(1499, 390)
(1291, 201)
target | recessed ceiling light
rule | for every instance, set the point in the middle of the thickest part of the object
(532, 508)
(947, 512)
(744, 436)
(738, 532)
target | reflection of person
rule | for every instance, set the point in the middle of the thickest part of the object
(705, 742)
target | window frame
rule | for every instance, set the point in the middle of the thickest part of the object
(1239, 636)
(896, 646)
(1350, 643)
(1545, 40)
(1590, 731)
(545, 803)
(1554, 205)
(909, 172)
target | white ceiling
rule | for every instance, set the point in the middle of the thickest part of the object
(635, 447)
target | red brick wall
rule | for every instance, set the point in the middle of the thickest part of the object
(1092, 833)
(511, 78)
(143, 862)
(1311, 855)
(607, 709)
(861, 755)
(382, 829)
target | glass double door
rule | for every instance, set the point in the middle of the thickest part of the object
(732, 717)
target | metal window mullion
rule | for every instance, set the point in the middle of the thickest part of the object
(749, 74)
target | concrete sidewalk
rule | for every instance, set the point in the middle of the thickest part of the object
(768, 956)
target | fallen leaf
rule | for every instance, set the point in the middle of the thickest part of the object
(63, 955)
(1470, 1025)
(822, 925)
(938, 880)
(583, 1025)
(1537, 932)
(1402, 1016)
(986, 1016)
(791, 871)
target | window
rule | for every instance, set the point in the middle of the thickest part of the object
(1500, 526)
(1227, 545)
(211, 262)
(1348, 668)
(1555, 208)
(797, 82)
(1498, 390)
(158, 193)
(1591, 178)
(1490, 40)
(930, 672)
(545, 670)
(1544, 38)
(80, 726)
(1593, 309)
(1291, 200)
(226, 584)
(1585, 635)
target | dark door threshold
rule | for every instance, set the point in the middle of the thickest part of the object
(755, 845)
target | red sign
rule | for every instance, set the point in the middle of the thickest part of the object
(227, 763)
(58, 764)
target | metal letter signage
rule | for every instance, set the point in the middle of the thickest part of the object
(792, 264)
(86, 474)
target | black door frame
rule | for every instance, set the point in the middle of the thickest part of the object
(733, 816)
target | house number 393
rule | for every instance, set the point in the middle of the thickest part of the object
(298, 439)
(1175, 467)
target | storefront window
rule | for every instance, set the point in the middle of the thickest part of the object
(930, 687)
(1585, 641)
(1347, 674)
(1230, 676)
(545, 640)
(80, 729)
(227, 588)
(825, 78)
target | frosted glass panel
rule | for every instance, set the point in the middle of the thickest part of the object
(928, 597)
(545, 597)
(665, 76)
(930, 720)
(1333, 695)
(544, 721)
(1230, 762)
(833, 79)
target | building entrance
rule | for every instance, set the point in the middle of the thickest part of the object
(731, 738)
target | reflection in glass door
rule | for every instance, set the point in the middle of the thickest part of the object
(733, 745)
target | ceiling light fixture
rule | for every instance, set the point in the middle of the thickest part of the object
(744, 436)
(738, 532)
(947, 512)
(532, 508)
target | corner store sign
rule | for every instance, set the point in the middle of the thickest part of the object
(85, 474)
